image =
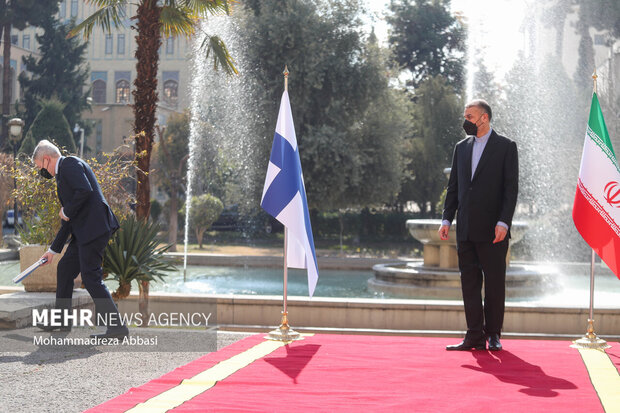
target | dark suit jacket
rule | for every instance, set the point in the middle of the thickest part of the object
(491, 195)
(83, 203)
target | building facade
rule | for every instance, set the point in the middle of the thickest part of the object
(112, 62)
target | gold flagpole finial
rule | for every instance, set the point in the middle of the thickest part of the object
(285, 78)
(594, 77)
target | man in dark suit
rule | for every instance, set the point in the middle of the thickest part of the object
(482, 192)
(88, 219)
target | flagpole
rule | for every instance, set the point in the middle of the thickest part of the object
(590, 340)
(284, 332)
(284, 311)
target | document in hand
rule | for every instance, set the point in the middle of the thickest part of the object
(29, 270)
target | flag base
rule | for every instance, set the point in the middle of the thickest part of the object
(284, 332)
(590, 339)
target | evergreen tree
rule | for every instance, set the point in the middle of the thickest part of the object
(18, 14)
(50, 123)
(602, 15)
(484, 85)
(60, 73)
(172, 155)
(437, 116)
(349, 123)
(427, 40)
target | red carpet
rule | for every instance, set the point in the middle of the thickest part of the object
(384, 373)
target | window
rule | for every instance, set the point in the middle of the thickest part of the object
(170, 45)
(74, 8)
(14, 39)
(171, 92)
(62, 10)
(120, 44)
(122, 91)
(108, 44)
(26, 41)
(99, 91)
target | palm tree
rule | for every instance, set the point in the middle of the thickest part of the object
(153, 19)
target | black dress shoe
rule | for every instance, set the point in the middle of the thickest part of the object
(46, 327)
(467, 345)
(119, 333)
(494, 344)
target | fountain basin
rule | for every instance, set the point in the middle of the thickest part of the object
(442, 253)
(438, 276)
(426, 231)
(416, 280)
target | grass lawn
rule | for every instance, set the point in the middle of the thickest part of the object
(231, 242)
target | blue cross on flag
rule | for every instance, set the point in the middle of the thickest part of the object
(284, 196)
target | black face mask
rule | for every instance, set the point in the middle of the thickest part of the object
(45, 173)
(470, 128)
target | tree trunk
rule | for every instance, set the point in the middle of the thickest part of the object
(143, 299)
(6, 83)
(199, 234)
(173, 222)
(148, 42)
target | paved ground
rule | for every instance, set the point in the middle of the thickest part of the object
(77, 379)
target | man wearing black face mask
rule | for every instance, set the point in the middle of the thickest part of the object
(88, 219)
(482, 192)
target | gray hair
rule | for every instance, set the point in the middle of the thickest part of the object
(45, 148)
(482, 104)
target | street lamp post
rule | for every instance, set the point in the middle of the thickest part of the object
(16, 126)
(77, 128)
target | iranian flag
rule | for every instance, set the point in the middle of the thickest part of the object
(596, 210)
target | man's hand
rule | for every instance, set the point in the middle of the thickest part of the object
(49, 256)
(500, 234)
(62, 215)
(443, 232)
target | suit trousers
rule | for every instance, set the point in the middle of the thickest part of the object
(87, 260)
(478, 262)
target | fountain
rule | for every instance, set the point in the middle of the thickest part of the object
(438, 275)
(222, 125)
(222, 128)
(531, 95)
(524, 109)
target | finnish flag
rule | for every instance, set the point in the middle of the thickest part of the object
(284, 196)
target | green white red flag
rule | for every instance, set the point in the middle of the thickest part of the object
(596, 210)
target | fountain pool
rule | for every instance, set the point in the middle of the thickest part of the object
(572, 284)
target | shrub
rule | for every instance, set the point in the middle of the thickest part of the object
(39, 201)
(134, 254)
(204, 211)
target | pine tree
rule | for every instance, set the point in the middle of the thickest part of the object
(18, 14)
(60, 73)
(50, 124)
